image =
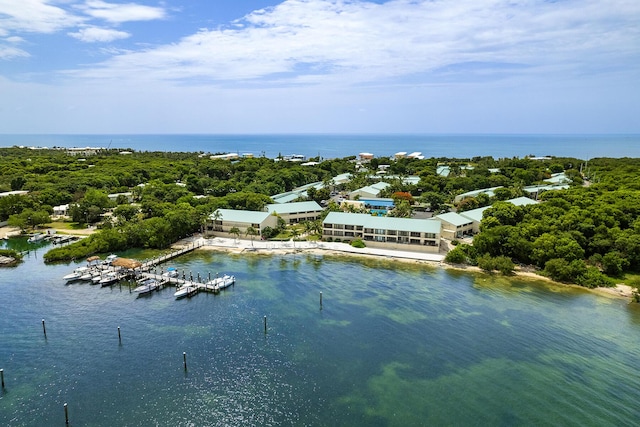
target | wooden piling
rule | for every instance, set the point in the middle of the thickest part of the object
(320, 300)
(44, 328)
(119, 336)
(265, 324)
(66, 414)
(184, 357)
(2, 377)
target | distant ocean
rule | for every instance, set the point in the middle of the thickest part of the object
(337, 146)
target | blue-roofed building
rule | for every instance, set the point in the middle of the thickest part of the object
(384, 232)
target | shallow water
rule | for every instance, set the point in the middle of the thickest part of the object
(393, 344)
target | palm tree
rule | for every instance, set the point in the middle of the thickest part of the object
(295, 232)
(251, 232)
(235, 231)
(217, 216)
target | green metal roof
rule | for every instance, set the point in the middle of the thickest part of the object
(454, 218)
(295, 207)
(250, 217)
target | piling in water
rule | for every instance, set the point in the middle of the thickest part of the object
(2, 377)
(44, 328)
(66, 414)
(119, 336)
(265, 324)
(320, 300)
(184, 357)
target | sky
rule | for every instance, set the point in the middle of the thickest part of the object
(320, 66)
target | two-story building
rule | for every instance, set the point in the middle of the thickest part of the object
(223, 220)
(384, 232)
(296, 212)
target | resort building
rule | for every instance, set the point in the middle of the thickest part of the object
(475, 193)
(370, 192)
(223, 220)
(455, 225)
(296, 212)
(297, 193)
(128, 196)
(61, 210)
(14, 193)
(384, 232)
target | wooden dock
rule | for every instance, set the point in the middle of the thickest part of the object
(147, 265)
(200, 286)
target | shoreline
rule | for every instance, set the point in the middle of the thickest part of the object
(323, 248)
(239, 246)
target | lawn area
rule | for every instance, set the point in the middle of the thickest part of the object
(71, 226)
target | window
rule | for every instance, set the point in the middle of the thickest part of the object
(415, 234)
(391, 232)
(403, 233)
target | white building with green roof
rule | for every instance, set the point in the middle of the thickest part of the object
(384, 232)
(296, 212)
(223, 220)
(454, 225)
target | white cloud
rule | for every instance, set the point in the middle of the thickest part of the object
(11, 52)
(35, 16)
(118, 13)
(96, 34)
(308, 41)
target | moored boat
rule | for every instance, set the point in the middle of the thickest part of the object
(36, 238)
(146, 286)
(185, 291)
(108, 279)
(170, 273)
(222, 282)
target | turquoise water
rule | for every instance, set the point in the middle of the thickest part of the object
(332, 146)
(395, 344)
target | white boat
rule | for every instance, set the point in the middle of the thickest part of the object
(170, 273)
(185, 291)
(222, 282)
(36, 238)
(79, 273)
(146, 286)
(95, 279)
(72, 277)
(108, 260)
(108, 279)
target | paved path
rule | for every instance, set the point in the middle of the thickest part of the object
(261, 245)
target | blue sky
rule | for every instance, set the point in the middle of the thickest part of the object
(320, 66)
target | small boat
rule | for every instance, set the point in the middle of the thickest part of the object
(146, 286)
(170, 273)
(79, 273)
(36, 238)
(108, 260)
(222, 282)
(108, 279)
(72, 277)
(185, 291)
